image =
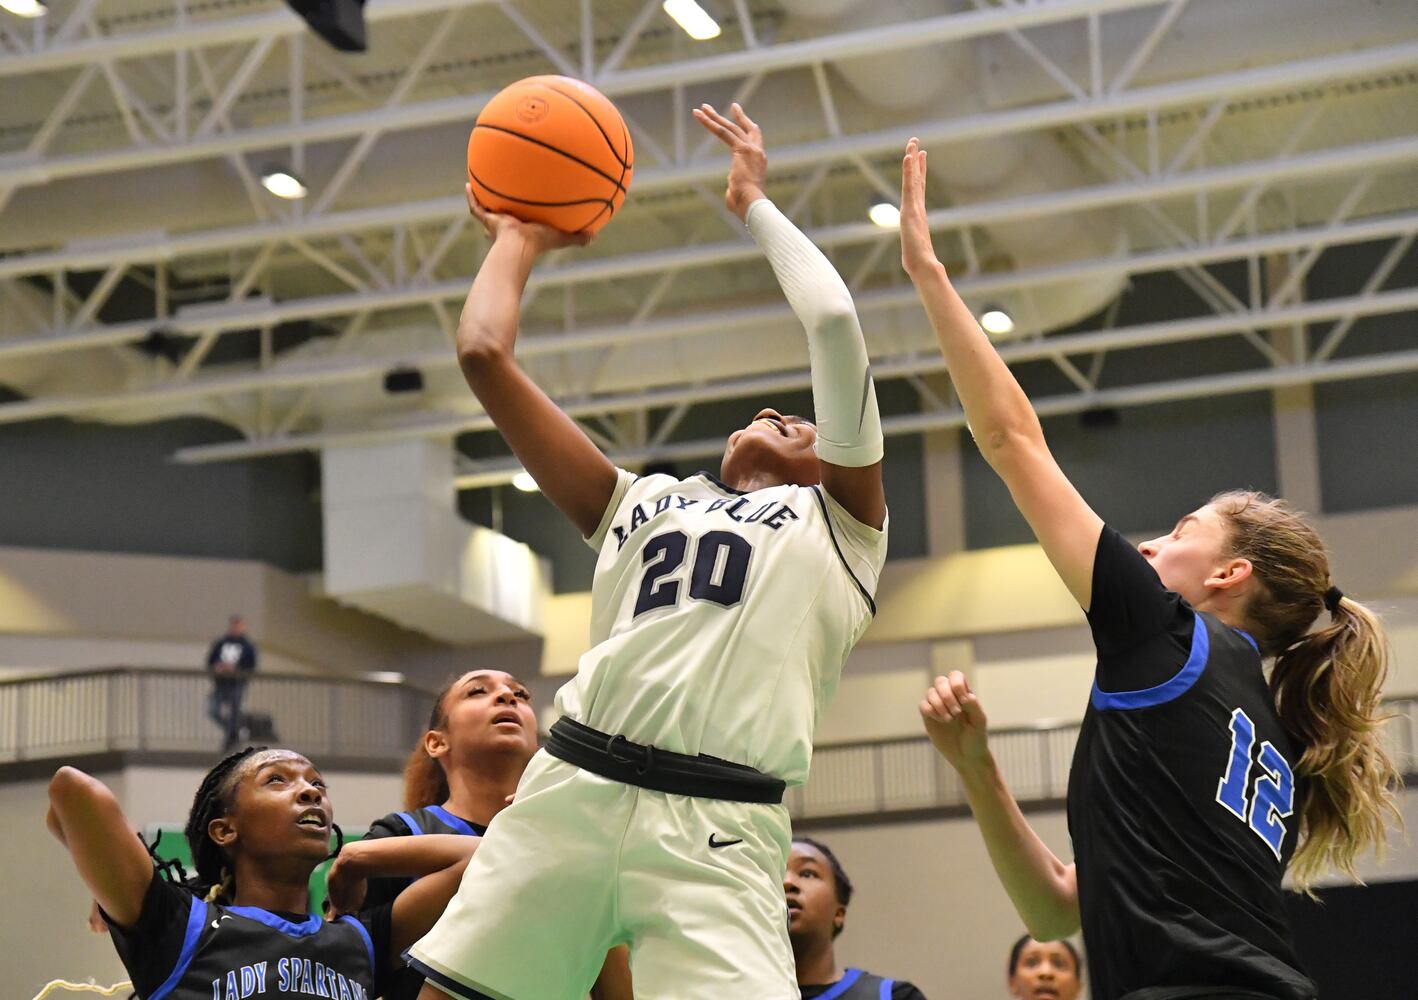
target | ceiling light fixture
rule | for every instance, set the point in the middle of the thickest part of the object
(996, 322)
(283, 184)
(524, 482)
(25, 8)
(694, 19)
(885, 215)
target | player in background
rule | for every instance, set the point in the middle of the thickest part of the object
(723, 609)
(1044, 970)
(1197, 782)
(481, 733)
(260, 824)
(818, 893)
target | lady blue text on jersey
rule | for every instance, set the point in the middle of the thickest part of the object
(773, 514)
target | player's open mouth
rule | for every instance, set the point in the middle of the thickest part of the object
(313, 819)
(502, 718)
(1045, 991)
(777, 425)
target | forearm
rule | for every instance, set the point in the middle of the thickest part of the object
(996, 408)
(1042, 888)
(492, 311)
(844, 399)
(407, 857)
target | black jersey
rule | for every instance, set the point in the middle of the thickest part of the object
(182, 948)
(1182, 801)
(858, 985)
(406, 983)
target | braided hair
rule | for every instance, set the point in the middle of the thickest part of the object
(213, 879)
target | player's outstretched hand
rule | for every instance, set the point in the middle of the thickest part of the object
(917, 253)
(540, 236)
(748, 170)
(345, 887)
(955, 722)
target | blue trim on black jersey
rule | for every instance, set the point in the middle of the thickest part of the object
(827, 516)
(196, 920)
(842, 985)
(368, 941)
(1248, 637)
(720, 484)
(1172, 688)
(886, 985)
(411, 823)
(309, 926)
(447, 985)
(456, 822)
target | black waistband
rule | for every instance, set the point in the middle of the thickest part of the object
(618, 759)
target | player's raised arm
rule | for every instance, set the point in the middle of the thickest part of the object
(1043, 889)
(999, 414)
(849, 442)
(571, 471)
(88, 821)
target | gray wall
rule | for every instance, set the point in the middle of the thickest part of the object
(104, 488)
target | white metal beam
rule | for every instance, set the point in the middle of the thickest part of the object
(192, 34)
(1201, 89)
(494, 472)
(1404, 300)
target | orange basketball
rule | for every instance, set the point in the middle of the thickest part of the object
(551, 149)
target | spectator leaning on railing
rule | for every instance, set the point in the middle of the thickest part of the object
(231, 662)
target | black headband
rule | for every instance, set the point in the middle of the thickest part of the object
(1332, 597)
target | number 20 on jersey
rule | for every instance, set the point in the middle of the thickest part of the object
(1273, 800)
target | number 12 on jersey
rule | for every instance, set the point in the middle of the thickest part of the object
(717, 574)
(1274, 797)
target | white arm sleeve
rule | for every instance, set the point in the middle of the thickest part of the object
(848, 423)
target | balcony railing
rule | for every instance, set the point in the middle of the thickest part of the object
(163, 712)
(125, 710)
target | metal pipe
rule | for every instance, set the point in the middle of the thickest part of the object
(498, 471)
(1403, 300)
(238, 316)
(1053, 115)
(340, 369)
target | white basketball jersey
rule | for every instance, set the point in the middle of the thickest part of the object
(721, 620)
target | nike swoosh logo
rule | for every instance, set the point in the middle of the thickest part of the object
(716, 844)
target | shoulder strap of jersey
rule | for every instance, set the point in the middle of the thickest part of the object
(411, 823)
(842, 985)
(832, 534)
(456, 822)
(886, 985)
(196, 920)
(364, 934)
(1169, 690)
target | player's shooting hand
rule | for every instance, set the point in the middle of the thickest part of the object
(539, 236)
(917, 253)
(955, 722)
(344, 884)
(748, 170)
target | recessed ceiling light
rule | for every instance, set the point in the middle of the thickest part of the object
(885, 215)
(996, 322)
(524, 482)
(694, 19)
(283, 184)
(25, 8)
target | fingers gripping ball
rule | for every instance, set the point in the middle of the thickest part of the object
(554, 150)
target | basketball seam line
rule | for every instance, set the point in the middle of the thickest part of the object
(594, 121)
(543, 204)
(561, 152)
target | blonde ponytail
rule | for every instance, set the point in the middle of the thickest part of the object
(1326, 684)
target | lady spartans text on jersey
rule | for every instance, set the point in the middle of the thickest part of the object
(287, 977)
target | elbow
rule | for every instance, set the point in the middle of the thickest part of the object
(1013, 445)
(1052, 926)
(66, 783)
(478, 350)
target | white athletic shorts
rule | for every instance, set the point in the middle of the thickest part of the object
(579, 863)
